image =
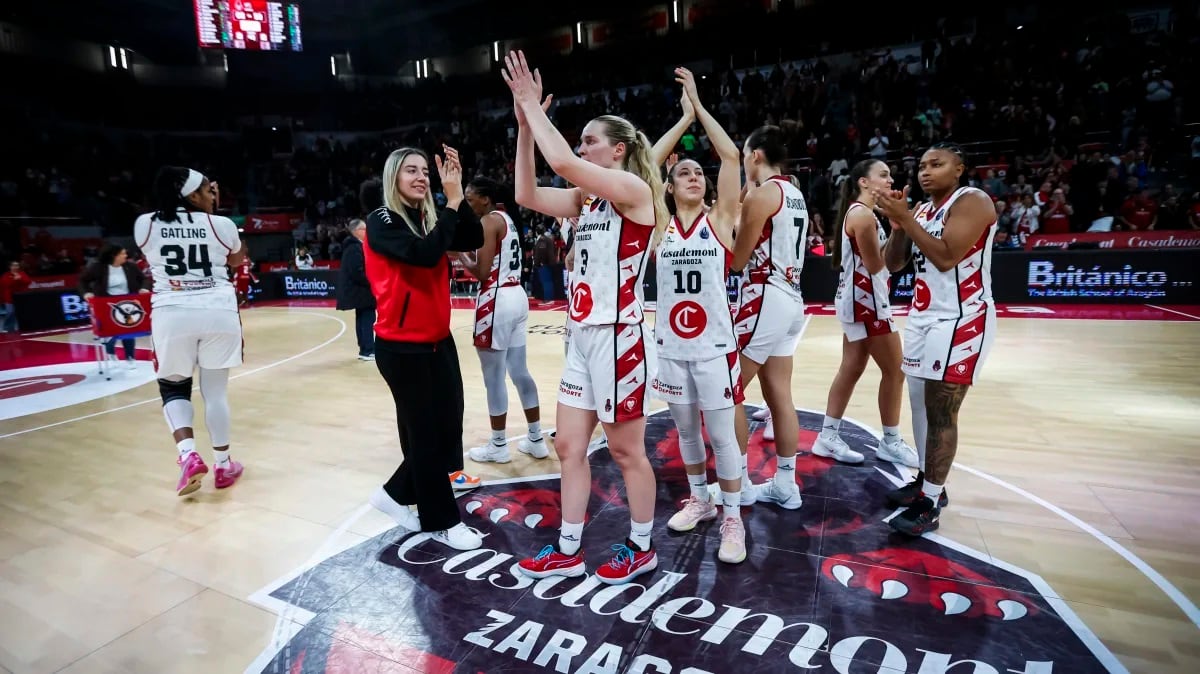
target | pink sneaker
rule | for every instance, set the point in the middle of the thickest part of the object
(191, 471)
(225, 476)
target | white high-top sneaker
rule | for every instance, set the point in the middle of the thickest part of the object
(490, 453)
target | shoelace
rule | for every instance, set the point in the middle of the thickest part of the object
(546, 552)
(624, 556)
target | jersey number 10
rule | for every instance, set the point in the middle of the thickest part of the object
(197, 259)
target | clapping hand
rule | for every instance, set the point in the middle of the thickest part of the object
(526, 86)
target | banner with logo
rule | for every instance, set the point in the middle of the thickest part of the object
(120, 315)
(308, 284)
(260, 223)
(59, 282)
(1161, 276)
(50, 309)
(284, 266)
(1169, 239)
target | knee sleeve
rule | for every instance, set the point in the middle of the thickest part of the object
(493, 380)
(724, 443)
(691, 442)
(916, 399)
(518, 369)
(176, 394)
(213, 387)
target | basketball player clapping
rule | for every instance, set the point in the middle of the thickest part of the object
(952, 321)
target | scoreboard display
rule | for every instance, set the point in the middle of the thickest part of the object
(254, 25)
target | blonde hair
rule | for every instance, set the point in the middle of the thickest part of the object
(395, 202)
(640, 163)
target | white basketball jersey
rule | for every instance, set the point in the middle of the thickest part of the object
(610, 263)
(861, 297)
(693, 319)
(188, 259)
(506, 262)
(778, 256)
(964, 290)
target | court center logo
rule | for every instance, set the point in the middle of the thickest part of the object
(826, 588)
(127, 313)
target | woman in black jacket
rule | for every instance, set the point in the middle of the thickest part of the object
(114, 274)
(405, 250)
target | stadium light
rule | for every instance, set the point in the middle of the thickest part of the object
(225, 61)
(496, 51)
(333, 65)
(124, 63)
(675, 11)
(578, 32)
(112, 55)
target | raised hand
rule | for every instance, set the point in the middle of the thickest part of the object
(688, 80)
(526, 85)
(450, 172)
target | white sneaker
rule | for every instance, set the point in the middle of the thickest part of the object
(490, 453)
(769, 431)
(762, 414)
(775, 492)
(369, 356)
(749, 493)
(131, 365)
(733, 541)
(599, 443)
(537, 450)
(401, 514)
(693, 512)
(835, 448)
(459, 537)
(898, 452)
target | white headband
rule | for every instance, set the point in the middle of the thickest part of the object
(192, 183)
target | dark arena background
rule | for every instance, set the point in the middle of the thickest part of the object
(1069, 544)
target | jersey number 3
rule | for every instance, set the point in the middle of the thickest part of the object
(197, 259)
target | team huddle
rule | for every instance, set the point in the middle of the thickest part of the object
(621, 217)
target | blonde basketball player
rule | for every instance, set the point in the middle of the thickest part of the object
(698, 359)
(610, 358)
(501, 314)
(863, 307)
(568, 228)
(951, 324)
(195, 321)
(771, 237)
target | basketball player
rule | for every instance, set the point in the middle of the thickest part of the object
(952, 321)
(195, 321)
(698, 367)
(501, 314)
(770, 316)
(610, 359)
(243, 277)
(567, 226)
(863, 307)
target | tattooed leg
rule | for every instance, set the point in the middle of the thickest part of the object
(942, 401)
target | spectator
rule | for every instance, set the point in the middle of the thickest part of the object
(354, 290)
(113, 274)
(1138, 213)
(1056, 217)
(303, 259)
(13, 282)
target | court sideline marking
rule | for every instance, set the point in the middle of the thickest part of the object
(239, 375)
(1168, 588)
(1195, 318)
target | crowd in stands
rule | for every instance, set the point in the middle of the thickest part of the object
(1068, 131)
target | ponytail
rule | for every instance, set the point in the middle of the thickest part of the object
(849, 193)
(168, 184)
(640, 162)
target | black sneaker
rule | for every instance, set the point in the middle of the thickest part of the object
(903, 497)
(919, 518)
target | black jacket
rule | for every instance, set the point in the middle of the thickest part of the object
(354, 291)
(94, 279)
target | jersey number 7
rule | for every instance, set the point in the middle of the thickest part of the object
(801, 239)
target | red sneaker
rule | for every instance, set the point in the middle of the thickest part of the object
(551, 562)
(627, 564)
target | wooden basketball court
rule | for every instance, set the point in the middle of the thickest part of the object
(1078, 464)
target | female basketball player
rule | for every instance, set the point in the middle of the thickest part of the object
(770, 318)
(952, 321)
(501, 313)
(194, 322)
(610, 358)
(866, 314)
(698, 367)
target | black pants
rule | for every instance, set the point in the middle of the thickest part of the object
(364, 328)
(426, 384)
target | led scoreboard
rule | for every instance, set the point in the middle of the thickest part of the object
(256, 25)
